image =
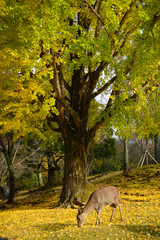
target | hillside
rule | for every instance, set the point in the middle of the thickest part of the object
(142, 178)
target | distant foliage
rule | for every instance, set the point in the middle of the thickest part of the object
(102, 156)
(27, 181)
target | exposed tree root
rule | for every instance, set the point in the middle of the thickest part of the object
(70, 202)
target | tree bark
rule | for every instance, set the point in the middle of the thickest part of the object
(11, 183)
(50, 171)
(6, 143)
(54, 175)
(156, 147)
(147, 147)
(126, 159)
(74, 184)
(40, 179)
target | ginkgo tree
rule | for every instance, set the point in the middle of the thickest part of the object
(67, 53)
(20, 112)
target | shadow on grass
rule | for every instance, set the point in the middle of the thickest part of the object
(153, 230)
(55, 226)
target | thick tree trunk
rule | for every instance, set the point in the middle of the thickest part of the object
(74, 184)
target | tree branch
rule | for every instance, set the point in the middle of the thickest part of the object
(129, 67)
(56, 77)
(102, 120)
(99, 91)
(27, 157)
(94, 9)
(127, 34)
(62, 80)
(93, 77)
(96, 127)
(125, 16)
(72, 113)
(110, 102)
(156, 18)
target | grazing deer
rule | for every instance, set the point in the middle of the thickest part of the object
(98, 199)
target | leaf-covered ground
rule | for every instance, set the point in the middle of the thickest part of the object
(34, 215)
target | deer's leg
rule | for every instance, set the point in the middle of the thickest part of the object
(120, 212)
(98, 221)
(119, 205)
(113, 211)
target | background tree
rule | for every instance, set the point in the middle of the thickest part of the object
(14, 162)
(155, 111)
(157, 148)
(6, 147)
(72, 51)
(104, 154)
(55, 161)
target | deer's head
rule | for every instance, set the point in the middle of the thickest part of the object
(80, 217)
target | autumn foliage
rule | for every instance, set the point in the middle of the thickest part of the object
(56, 57)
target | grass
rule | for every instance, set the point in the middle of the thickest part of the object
(34, 215)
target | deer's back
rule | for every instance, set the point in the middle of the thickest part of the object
(104, 196)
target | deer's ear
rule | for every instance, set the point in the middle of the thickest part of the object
(80, 210)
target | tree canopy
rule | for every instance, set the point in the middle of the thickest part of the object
(64, 54)
(44, 44)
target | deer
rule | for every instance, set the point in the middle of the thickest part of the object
(99, 198)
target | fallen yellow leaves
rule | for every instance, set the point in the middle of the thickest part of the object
(141, 212)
